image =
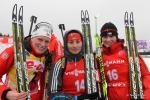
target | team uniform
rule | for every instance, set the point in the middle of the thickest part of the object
(36, 53)
(67, 76)
(36, 70)
(117, 73)
(71, 78)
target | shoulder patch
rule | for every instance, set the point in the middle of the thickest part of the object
(5, 56)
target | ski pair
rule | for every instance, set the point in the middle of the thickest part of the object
(19, 51)
(88, 53)
(136, 89)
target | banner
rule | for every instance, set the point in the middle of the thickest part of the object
(5, 42)
(143, 45)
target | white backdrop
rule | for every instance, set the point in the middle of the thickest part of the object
(68, 13)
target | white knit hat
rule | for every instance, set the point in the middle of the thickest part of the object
(42, 29)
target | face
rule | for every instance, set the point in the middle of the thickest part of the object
(40, 44)
(74, 46)
(109, 40)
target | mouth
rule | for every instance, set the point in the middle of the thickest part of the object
(75, 50)
(41, 48)
(109, 43)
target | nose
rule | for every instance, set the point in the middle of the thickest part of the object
(43, 43)
(74, 44)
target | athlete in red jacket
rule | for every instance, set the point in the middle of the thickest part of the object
(36, 46)
(55, 48)
(116, 66)
(67, 77)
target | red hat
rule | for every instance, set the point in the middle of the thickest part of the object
(73, 36)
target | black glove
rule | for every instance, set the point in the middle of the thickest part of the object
(93, 96)
(48, 57)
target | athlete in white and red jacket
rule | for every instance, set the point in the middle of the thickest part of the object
(116, 66)
(36, 46)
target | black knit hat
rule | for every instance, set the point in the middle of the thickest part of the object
(108, 28)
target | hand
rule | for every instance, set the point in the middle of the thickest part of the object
(14, 95)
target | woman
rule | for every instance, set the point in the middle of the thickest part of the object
(36, 47)
(67, 79)
(116, 65)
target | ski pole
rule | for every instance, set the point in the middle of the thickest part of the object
(32, 20)
(62, 28)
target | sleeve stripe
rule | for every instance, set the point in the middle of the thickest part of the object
(55, 76)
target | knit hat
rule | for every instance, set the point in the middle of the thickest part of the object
(42, 29)
(109, 28)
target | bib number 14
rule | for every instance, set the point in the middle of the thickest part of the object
(80, 85)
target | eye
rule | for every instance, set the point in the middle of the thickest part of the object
(104, 36)
(78, 41)
(47, 41)
(39, 39)
(110, 35)
(71, 42)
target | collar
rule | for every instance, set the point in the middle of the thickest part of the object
(114, 48)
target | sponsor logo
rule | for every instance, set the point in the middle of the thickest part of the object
(107, 63)
(75, 72)
(35, 65)
(5, 56)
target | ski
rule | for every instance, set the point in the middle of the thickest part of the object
(136, 91)
(88, 53)
(19, 51)
(103, 87)
(96, 36)
(16, 50)
(136, 59)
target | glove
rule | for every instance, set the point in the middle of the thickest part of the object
(62, 96)
(48, 59)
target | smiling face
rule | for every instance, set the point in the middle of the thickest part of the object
(108, 40)
(74, 46)
(40, 44)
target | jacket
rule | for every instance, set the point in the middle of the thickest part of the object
(56, 49)
(116, 68)
(36, 73)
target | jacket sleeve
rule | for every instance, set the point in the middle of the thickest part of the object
(56, 48)
(145, 74)
(55, 78)
(59, 50)
(6, 61)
